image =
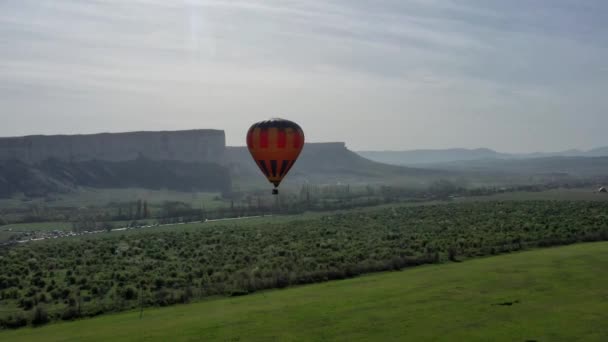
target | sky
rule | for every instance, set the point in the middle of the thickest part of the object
(516, 76)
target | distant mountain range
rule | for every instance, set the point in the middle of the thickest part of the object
(551, 168)
(198, 160)
(422, 157)
(168, 167)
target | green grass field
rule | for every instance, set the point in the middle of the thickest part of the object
(99, 197)
(557, 294)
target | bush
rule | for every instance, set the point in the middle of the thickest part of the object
(129, 293)
(13, 321)
(26, 303)
(40, 316)
(69, 313)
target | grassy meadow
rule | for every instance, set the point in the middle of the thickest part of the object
(554, 294)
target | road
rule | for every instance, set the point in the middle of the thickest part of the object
(71, 234)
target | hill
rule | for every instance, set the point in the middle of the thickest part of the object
(414, 157)
(555, 294)
(550, 166)
(329, 163)
(52, 175)
(176, 160)
(423, 157)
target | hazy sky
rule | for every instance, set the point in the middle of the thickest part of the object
(513, 75)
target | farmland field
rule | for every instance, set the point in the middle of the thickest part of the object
(64, 279)
(554, 294)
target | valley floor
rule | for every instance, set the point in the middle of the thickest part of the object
(554, 294)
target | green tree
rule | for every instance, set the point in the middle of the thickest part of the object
(138, 213)
(146, 213)
(129, 293)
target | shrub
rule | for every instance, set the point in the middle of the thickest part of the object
(13, 321)
(40, 316)
(69, 313)
(129, 293)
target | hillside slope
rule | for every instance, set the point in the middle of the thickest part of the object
(415, 157)
(558, 166)
(175, 160)
(320, 163)
(555, 294)
(329, 163)
(423, 157)
(58, 176)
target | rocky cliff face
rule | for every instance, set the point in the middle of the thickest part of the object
(186, 146)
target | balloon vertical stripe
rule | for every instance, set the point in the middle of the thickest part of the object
(282, 141)
(264, 138)
(264, 168)
(273, 167)
(284, 167)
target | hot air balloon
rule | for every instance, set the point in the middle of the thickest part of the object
(275, 145)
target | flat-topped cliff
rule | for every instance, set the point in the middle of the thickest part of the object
(202, 145)
(176, 160)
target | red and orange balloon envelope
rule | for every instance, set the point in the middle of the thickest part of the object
(275, 145)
